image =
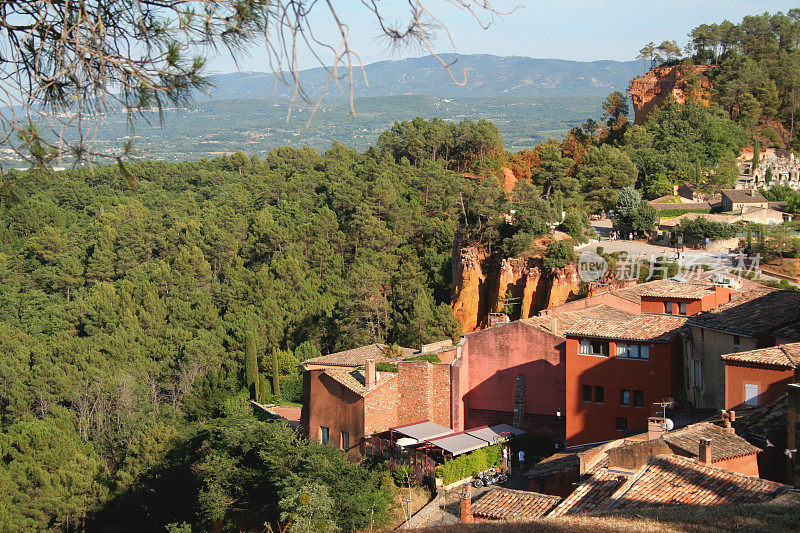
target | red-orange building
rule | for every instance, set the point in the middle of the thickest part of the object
(342, 406)
(759, 377)
(682, 298)
(616, 370)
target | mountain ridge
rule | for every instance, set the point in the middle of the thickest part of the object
(487, 76)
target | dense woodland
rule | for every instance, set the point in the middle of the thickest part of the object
(141, 303)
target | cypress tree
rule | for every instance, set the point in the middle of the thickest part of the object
(756, 154)
(251, 364)
(276, 378)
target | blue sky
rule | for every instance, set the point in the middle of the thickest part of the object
(582, 30)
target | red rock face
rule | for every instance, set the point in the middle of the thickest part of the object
(468, 283)
(652, 89)
(480, 285)
(565, 285)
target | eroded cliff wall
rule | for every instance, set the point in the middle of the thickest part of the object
(681, 82)
(481, 284)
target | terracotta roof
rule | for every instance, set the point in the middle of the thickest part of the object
(567, 319)
(785, 355)
(756, 312)
(679, 289)
(358, 356)
(354, 379)
(743, 196)
(554, 463)
(673, 480)
(653, 328)
(715, 217)
(682, 205)
(591, 495)
(634, 293)
(724, 445)
(508, 504)
(791, 332)
(667, 480)
(762, 423)
(571, 458)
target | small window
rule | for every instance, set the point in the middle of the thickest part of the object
(324, 434)
(638, 398)
(587, 393)
(682, 308)
(750, 394)
(622, 423)
(624, 397)
(599, 394)
(702, 336)
(594, 347)
(345, 440)
(633, 351)
(668, 308)
(736, 342)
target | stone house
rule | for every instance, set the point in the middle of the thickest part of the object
(740, 201)
(751, 320)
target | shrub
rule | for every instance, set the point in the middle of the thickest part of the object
(558, 254)
(469, 464)
(386, 367)
(292, 388)
(429, 357)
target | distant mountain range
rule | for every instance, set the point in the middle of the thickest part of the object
(486, 75)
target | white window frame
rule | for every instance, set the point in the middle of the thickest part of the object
(750, 398)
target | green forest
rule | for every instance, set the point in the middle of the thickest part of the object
(145, 303)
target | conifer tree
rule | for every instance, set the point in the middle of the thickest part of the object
(756, 154)
(251, 365)
(276, 374)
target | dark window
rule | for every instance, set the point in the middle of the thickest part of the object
(587, 393)
(622, 423)
(736, 342)
(599, 394)
(345, 440)
(668, 307)
(624, 397)
(594, 347)
(702, 335)
(324, 434)
(638, 398)
(682, 308)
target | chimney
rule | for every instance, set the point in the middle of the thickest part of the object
(655, 427)
(369, 374)
(705, 451)
(466, 505)
(729, 417)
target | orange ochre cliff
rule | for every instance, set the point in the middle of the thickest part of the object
(481, 285)
(680, 81)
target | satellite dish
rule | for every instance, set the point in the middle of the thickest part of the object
(669, 425)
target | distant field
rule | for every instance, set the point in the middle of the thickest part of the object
(258, 125)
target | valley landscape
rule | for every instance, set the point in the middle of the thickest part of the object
(561, 296)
